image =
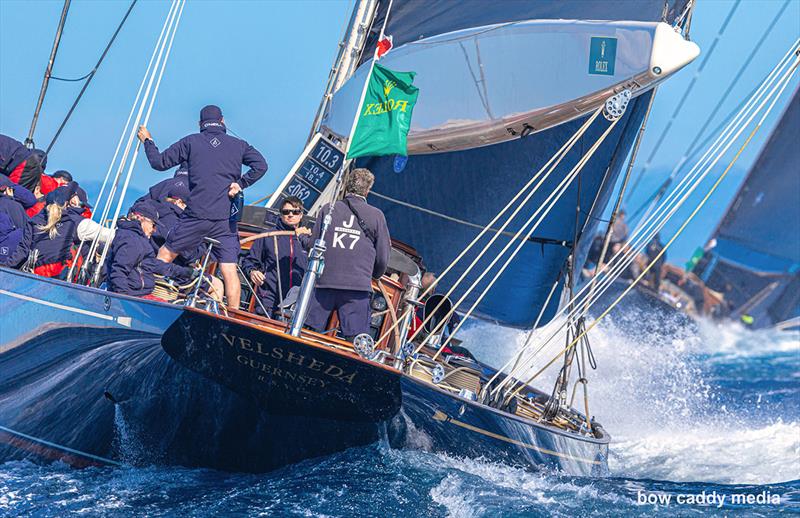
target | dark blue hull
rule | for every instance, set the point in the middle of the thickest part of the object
(90, 377)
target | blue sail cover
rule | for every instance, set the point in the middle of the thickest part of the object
(411, 20)
(756, 257)
(439, 203)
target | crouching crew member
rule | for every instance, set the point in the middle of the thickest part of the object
(16, 230)
(132, 264)
(284, 255)
(170, 210)
(215, 177)
(358, 247)
(160, 191)
(56, 232)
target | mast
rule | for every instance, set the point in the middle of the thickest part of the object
(47, 73)
(350, 49)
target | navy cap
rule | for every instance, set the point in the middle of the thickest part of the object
(82, 196)
(211, 113)
(146, 208)
(179, 191)
(62, 174)
(59, 196)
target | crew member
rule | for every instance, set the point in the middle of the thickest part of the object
(619, 232)
(215, 177)
(654, 274)
(160, 190)
(132, 264)
(13, 159)
(55, 233)
(283, 254)
(170, 210)
(62, 177)
(16, 230)
(358, 247)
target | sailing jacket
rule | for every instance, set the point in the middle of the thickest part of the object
(291, 258)
(215, 162)
(160, 190)
(354, 255)
(58, 249)
(16, 232)
(131, 264)
(12, 154)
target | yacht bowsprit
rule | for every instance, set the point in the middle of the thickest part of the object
(509, 159)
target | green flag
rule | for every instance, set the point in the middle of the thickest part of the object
(385, 116)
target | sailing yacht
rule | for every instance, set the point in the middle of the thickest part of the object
(92, 377)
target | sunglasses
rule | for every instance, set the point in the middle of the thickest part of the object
(295, 212)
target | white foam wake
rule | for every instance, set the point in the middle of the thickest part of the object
(650, 393)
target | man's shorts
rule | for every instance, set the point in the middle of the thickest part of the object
(184, 238)
(352, 307)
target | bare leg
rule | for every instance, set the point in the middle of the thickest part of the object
(233, 290)
(166, 255)
(217, 289)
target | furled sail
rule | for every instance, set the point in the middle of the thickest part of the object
(754, 255)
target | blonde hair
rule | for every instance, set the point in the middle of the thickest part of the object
(54, 213)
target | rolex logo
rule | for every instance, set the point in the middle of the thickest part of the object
(387, 86)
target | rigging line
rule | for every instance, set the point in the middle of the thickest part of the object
(47, 72)
(559, 155)
(540, 240)
(541, 175)
(475, 80)
(636, 241)
(90, 77)
(683, 225)
(686, 93)
(103, 212)
(709, 167)
(695, 141)
(567, 180)
(171, 31)
(54, 78)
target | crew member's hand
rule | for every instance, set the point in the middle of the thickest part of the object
(302, 231)
(234, 189)
(257, 277)
(143, 134)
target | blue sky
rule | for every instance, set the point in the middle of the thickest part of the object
(266, 64)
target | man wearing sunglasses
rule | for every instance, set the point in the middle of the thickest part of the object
(277, 264)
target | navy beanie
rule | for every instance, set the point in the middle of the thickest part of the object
(211, 113)
(59, 196)
(147, 209)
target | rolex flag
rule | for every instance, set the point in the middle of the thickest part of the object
(385, 115)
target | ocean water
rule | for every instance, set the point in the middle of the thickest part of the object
(697, 413)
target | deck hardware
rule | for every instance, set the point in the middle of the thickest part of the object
(438, 374)
(467, 394)
(616, 105)
(364, 345)
(461, 410)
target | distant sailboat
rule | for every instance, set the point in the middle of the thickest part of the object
(753, 256)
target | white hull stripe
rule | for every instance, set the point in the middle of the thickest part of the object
(59, 447)
(123, 321)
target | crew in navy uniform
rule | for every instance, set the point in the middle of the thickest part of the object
(160, 190)
(264, 262)
(215, 177)
(16, 230)
(131, 264)
(358, 247)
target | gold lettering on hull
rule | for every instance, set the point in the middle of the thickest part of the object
(298, 371)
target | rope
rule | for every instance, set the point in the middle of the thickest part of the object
(107, 205)
(551, 164)
(562, 187)
(686, 93)
(88, 78)
(173, 27)
(619, 266)
(780, 87)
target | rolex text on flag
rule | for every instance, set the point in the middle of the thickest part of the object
(385, 116)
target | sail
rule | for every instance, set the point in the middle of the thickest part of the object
(440, 202)
(756, 247)
(411, 20)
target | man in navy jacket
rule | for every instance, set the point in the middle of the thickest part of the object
(132, 264)
(215, 162)
(161, 190)
(284, 254)
(358, 251)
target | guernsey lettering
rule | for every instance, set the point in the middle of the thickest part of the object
(273, 358)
